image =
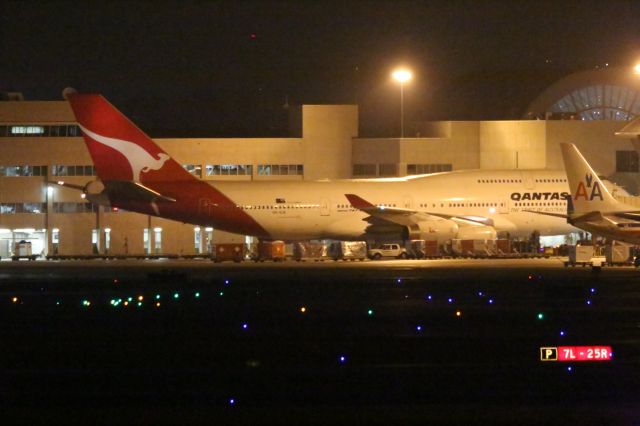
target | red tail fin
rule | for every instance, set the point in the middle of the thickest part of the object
(119, 149)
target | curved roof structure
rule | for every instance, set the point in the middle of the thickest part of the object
(600, 94)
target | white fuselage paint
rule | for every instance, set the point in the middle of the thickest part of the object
(315, 210)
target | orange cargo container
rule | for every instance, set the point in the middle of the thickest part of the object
(230, 251)
(271, 250)
(503, 246)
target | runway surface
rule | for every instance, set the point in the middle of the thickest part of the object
(390, 342)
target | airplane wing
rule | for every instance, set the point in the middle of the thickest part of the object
(628, 215)
(409, 217)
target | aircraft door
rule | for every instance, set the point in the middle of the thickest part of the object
(407, 202)
(503, 206)
(325, 207)
(527, 180)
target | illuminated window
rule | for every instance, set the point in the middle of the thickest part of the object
(194, 169)
(197, 238)
(145, 240)
(23, 170)
(599, 102)
(280, 169)
(13, 208)
(60, 170)
(27, 130)
(157, 240)
(36, 130)
(228, 169)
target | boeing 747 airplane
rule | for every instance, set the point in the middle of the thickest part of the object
(135, 174)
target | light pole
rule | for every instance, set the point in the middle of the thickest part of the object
(402, 75)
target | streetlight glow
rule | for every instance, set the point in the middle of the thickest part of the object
(636, 69)
(402, 75)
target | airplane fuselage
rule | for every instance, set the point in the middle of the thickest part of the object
(315, 210)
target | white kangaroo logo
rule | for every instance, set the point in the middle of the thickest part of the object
(139, 159)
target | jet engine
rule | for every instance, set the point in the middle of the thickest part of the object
(438, 229)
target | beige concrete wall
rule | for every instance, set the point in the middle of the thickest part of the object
(376, 151)
(36, 112)
(465, 141)
(512, 144)
(327, 132)
(596, 140)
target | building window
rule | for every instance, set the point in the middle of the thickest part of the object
(23, 171)
(364, 169)
(627, 161)
(157, 240)
(74, 208)
(194, 169)
(280, 169)
(421, 169)
(36, 130)
(13, 208)
(388, 170)
(145, 241)
(197, 238)
(228, 169)
(107, 239)
(59, 170)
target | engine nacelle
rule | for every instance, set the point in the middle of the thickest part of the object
(439, 229)
(94, 192)
(481, 232)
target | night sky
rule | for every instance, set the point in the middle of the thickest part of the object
(228, 68)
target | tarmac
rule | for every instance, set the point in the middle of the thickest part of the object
(449, 341)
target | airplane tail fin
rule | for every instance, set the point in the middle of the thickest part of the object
(119, 149)
(588, 193)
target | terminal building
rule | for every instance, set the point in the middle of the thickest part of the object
(40, 144)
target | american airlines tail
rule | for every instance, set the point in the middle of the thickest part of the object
(588, 193)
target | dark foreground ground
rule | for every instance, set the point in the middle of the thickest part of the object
(440, 342)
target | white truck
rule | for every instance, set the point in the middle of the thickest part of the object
(388, 250)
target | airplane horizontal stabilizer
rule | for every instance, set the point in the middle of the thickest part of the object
(122, 190)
